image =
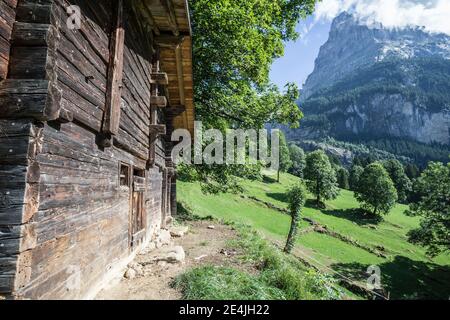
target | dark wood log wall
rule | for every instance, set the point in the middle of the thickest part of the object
(12, 166)
(7, 18)
(67, 222)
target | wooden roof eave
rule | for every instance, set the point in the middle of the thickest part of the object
(170, 22)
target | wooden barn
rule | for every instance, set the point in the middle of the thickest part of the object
(90, 92)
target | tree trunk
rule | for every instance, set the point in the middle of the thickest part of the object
(290, 242)
(318, 194)
(278, 175)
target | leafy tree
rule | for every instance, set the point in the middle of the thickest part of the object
(297, 198)
(334, 160)
(434, 208)
(298, 159)
(343, 178)
(321, 177)
(355, 173)
(376, 191)
(401, 181)
(412, 171)
(285, 156)
(234, 46)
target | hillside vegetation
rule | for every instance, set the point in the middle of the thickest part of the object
(336, 240)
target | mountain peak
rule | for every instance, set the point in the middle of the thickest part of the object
(355, 43)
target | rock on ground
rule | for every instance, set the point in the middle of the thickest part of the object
(179, 231)
(130, 274)
(172, 255)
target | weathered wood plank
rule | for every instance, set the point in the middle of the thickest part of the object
(32, 11)
(31, 63)
(157, 129)
(115, 74)
(169, 41)
(170, 10)
(158, 101)
(11, 3)
(159, 78)
(38, 99)
(7, 17)
(32, 34)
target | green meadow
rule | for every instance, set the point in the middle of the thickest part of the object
(406, 271)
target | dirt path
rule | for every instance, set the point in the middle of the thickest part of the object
(202, 246)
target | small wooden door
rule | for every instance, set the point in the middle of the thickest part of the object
(138, 215)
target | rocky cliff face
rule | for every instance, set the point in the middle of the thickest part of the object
(398, 117)
(374, 82)
(353, 45)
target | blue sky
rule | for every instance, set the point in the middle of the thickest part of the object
(298, 61)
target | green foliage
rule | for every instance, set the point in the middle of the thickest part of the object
(433, 186)
(216, 178)
(298, 159)
(401, 181)
(343, 178)
(416, 152)
(407, 271)
(220, 283)
(320, 176)
(355, 174)
(412, 171)
(365, 153)
(186, 173)
(285, 157)
(297, 197)
(234, 45)
(376, 191)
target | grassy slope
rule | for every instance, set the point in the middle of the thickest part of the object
(406, 271)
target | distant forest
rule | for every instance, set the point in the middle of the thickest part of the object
(423, 80)
(405, 150)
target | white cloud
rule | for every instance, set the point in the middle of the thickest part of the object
(434, 15)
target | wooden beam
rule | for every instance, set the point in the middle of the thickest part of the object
(157, 129)
(159, 78)
(169, 41)
(170, 10)
(158, 101)
(33, 35)
(146, 12)
(115, 75)
(175, 110)
(65, 116)
(38, 99)
(180, 74)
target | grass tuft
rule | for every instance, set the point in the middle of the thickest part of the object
(280, 276)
